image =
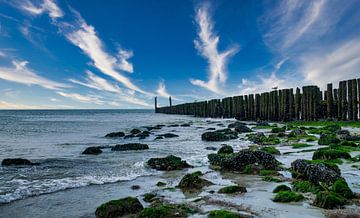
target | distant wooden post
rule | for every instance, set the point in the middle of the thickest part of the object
(297, 103)
(156, 108)
(350, 100)
(354, 99)
(329, 100)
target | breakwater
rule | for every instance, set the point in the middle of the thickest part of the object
(308, 103)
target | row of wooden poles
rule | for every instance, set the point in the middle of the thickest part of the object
(280, 105)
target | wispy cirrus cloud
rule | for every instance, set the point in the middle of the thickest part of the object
(207, 45)
(46, 6)
(82, 98)
(20, 73)
(162, 92)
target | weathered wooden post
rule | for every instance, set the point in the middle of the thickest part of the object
(156, 108)
(297, 103)
(257, 106)
(329, 101)
(354, 99)
(350, 100)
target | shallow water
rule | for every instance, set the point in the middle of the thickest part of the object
(69, 184)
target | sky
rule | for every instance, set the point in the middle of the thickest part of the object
(121, 54)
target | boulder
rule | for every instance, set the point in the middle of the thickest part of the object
(297, 132)
(278, 129)
(174, 125)
(185, 125)
(169, 135)
(129, 136)
(242, 159)
(115, 134)
(211, 148)
(236, 124)
(92, 150)
(210, 129)
(242, 129)
(226, 149)
(232, 189)
(158, 137)
(315, 172)
(119, 208)
(135, 131)
(167, 163)
(130, 146)
(219, 135)
(327, 139)
(193, 182)
(342, 134)
(17, 162)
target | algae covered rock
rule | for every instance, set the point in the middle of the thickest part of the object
(329, 200)
(280, 188)
(330, 154)
(278, 129)
(261, 139)
(169, 135)
(224, 214)
(130, 146)
(240, 160)
(288, 196)
(341, 188)
(315, 173)
(239, 127)
(233, 189)
(327, 139)
(226, 149)
(193, 182)
(92, 150)
(270, 150)
(219, 135)
(115, 134)
(168, 163)
(135, 131)
(119, 208)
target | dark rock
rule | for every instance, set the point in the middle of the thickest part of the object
(92, 150)
(130, 146)
(261, 139)
(143, 134)
(149, 197)
(135, 187)
(297, 132)
(135, 131)
(169, 135)
(160, 184)
(278, 129)
(232, 189)
(129, 136)
(226, 149)
(262, 123)
(242, 129)
(327, 139)
(174, 125)
(193, 182)
(315, 173)
(244, 158)
(185, 125)
(219, 135)
(160, 125)
(234, 125)
(220, 124)
(158, 137)
(119, 208)
(115, 134)
(17, 162)
(211, 128)
(168, 163)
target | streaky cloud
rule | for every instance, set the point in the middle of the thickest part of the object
(207, 45)
(20, 73)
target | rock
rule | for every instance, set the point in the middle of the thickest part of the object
(135, 131)
(315, 173)
(158, 137)
(160, 183)
(210, 129)
(115, 134)
(17, 162)
(219, 135)
(341, 188)
(288, 196)
(297, 132)
(342, 134)
(226, 149)
(92, 150)
(135, 187)
(278, 129)
(239, 161)
(148, 197)
(129, 136)
(185, 125)
(261, 139)
(169, 135)
(327, 139)
(262, 123)
(332, 128)
(239, 127)
(330, 154)
(130, 146)
(329, 200)
(193, 182)
(225, 214)
(234, 125)
(119, 208)
(232, 189)
(174, 125)
(281, 188)
(143, 134)
(168, 163)
(211, 148)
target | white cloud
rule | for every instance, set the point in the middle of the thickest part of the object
(207, 45)
(47, 6)
(82, 98)
(4, 105)
(85, 37)
(332, 64)
(98, 83)
(19, 73)
(161, 90)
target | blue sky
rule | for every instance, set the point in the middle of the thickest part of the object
(120, 54)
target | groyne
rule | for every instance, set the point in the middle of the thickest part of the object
(308, 103)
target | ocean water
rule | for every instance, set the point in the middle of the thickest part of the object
(56, 138)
